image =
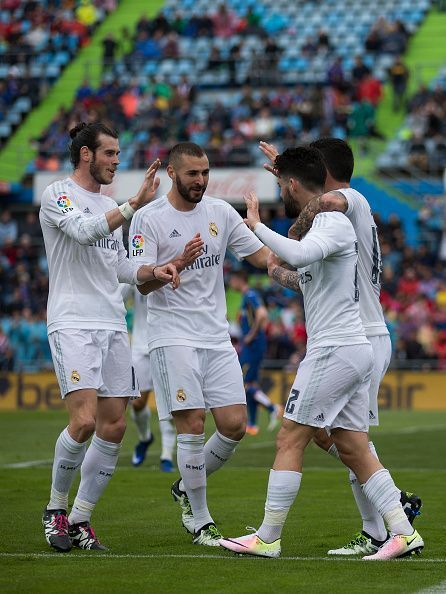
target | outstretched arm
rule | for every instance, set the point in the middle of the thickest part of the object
(284, 274)
(331, 201)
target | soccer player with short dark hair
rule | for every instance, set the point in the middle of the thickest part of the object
(331, 388)
(340, 197)
(194, 364)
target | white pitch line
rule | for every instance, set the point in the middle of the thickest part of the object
(96, 556)
(27, 464)
(409, 430)
(437, 589)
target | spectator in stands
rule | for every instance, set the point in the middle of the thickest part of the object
(225, 21)
(6, 353)
(399, 77)
(8, 228)
(359, 70)
(87, 14)
(109, 49)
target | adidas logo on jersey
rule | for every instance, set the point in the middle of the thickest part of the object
(320, 418)
(175, 234)
(87, 210)
(371, 416)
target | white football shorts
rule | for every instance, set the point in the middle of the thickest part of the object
(382, 351)
(186, 377)
(331, 388)
(141, 363)
(98, 359)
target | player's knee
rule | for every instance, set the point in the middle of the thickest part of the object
(82, 427)
(287, 439)
(236, 431)
(191, 421)
(234, 425)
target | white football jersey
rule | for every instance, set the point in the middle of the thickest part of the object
(84, 289)
(195, 313)
(328, 282)
(369, 262)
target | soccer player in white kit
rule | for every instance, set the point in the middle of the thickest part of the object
(338, 196)
(86, 325)
(194, 364)
(140, 411)
(331, 388)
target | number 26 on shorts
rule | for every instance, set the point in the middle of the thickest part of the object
(289, 408)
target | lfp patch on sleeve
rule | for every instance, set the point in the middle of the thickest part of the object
(137, 243)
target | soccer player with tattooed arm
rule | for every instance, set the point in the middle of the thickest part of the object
(338, 196)
(330, 391)
(87, 330)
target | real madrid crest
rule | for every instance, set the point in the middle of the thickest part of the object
(181, 396)
(213, 229)
(75, 377)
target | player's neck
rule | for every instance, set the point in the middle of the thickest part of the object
(86, 181)
(333, 185)
(306, 197)
(178, 202)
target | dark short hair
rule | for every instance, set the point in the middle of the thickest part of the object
(337, 156)
(185, 148)
(304, 164)
(87, 135)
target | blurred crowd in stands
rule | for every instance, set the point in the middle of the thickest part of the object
(413, 293)
(37, 40)
(153, 111)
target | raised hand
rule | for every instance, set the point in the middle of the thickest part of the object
(192, 250)
(252, 213)
(270, 151)
(147, 191)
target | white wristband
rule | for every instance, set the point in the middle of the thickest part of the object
(127, 211)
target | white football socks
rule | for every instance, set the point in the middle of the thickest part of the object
(142, 422)
(283, 486)
(192, 467)
(96, 471)
(168, 439)
(68, 456)
(372, 521)
(217, 451)
(383, 494)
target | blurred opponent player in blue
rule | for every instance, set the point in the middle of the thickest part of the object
(253, 317)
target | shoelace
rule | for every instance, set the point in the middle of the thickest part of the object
(61, 524)
(213, 531)
(356, 540)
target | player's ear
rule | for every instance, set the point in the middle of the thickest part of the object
(170, 171)
(85, 153)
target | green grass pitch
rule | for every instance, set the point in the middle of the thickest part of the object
(150, 552)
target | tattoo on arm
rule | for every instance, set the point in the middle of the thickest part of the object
(287, 278)
(332, 201)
